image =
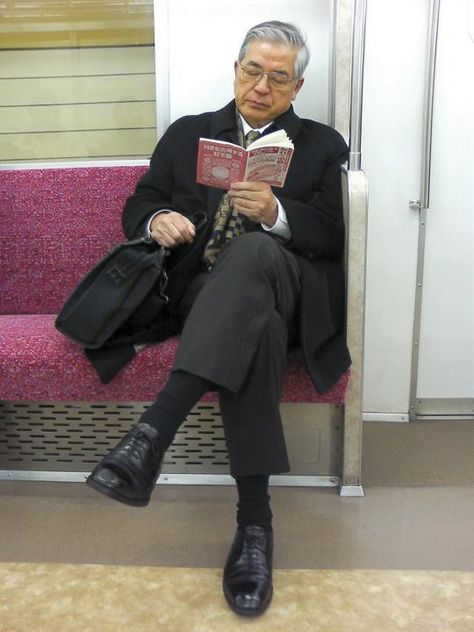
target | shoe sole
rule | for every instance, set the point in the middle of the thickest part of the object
(131, 502)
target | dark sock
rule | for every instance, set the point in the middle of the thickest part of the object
(253, 507)
(181, 393)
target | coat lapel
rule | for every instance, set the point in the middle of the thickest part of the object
(288, 121)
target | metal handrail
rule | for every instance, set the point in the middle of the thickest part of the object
(355, 199)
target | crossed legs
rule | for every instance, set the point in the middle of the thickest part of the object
(234, 340)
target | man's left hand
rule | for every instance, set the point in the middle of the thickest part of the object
(256, 201)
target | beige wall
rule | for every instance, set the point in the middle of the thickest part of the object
(77, 103)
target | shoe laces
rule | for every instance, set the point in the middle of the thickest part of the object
(253, 550)
(139, 444)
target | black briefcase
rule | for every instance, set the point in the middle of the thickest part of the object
(124, 293)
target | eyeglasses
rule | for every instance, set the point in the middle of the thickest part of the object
(277, 80)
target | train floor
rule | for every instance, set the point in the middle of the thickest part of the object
(398, 559)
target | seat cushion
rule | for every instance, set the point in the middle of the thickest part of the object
(37, 363)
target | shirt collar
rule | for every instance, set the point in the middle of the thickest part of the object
(247, 128)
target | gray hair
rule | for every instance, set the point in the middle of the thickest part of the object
(281, 33)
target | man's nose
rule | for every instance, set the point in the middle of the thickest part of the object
(263, 84)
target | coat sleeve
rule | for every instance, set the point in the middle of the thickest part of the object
(316, 217)
(154, 190)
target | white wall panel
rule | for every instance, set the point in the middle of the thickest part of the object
(391, 157)
(204, 40)
(446, 366)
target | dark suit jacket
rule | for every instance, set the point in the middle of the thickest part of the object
(311, 198)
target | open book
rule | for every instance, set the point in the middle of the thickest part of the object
(267, 160)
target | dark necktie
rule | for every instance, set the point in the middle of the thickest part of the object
(227, 222)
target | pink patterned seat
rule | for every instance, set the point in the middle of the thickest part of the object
(55, 224)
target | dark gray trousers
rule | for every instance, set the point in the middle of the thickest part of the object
(235, 335)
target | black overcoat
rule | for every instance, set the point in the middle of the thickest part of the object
(311, 198)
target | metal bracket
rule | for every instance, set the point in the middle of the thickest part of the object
(351, 491)
(415, 205)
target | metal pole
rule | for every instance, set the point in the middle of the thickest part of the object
(162, 65)
(422, 204)
(428, 106)
(357, 83)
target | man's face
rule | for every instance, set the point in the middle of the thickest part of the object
(260, 102)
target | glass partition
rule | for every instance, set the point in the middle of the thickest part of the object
(77, 80)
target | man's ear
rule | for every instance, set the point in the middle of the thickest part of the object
(298, 86)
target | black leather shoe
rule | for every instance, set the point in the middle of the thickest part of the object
(247, 581)
(130, 471)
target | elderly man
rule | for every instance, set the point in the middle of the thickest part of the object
(251, 270)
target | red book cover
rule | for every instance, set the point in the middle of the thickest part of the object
(220, 163)
(266, 160)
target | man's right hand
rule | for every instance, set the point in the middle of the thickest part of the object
(172, 229)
